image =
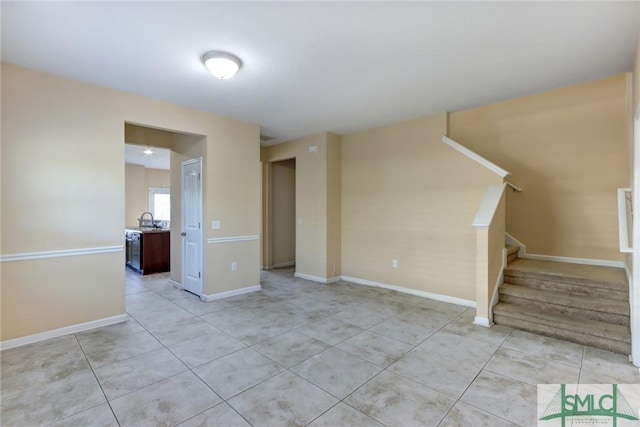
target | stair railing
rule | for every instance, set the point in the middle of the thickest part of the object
(490, 225)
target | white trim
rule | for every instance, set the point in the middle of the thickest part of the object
(61, 253)
(317, 278)
(623, 227)
(424, 294)
(634, 296)
(585, 261)
(483, 321)
(282, 265)
(227, 294)
(514, 187)
(488, 207)
(232, 239)
(499, 281)
(476, 157)
(55, 333)
(510, 240)
(175, 284)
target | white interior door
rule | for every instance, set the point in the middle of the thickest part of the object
(192, 226)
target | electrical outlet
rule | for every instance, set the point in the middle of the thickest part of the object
(234, 266)
(394, 263)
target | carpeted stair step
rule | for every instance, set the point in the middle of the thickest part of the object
(512, 253)
(607, 336)
(575, 279)
(578, 306)
(568, 288)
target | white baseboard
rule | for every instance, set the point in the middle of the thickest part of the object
(176, 285)
(584, 261)
(629, 276)
(317, 278)
(510, 240)
(310, 277)
(496, 290)
(55, 333)
(424, 294)
(482, 321)
(522, 253)
(281, 265)
(227, 294)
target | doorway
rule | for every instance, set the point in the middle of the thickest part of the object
(181, 147)
(283, 214)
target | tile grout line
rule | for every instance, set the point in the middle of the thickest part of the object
(224, 400)
(474, 379)
(97, 380)
(335, 346)
(383, 369)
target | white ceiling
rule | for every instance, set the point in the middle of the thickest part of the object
(325, 66)
(159, 159)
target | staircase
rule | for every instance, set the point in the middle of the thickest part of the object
(580, 303)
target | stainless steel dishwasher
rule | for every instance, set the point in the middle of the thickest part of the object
(135, 244)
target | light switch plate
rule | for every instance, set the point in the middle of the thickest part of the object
(215, 224)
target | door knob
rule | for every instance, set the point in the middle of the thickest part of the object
(184, 233)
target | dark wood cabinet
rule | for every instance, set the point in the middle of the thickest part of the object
(148, 250)
(155, 252)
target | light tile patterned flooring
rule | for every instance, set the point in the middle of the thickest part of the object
(296, 353)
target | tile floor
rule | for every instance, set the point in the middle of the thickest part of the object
(296, 353)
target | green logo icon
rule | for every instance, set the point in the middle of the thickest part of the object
(565, 406)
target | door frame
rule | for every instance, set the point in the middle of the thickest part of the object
(634, 282)
(267, 213)
(182, 225)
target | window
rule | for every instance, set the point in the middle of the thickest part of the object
(160, 203)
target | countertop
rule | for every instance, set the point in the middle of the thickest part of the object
(148, 230)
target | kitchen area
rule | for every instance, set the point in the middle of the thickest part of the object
(148, 247)
(147, 209)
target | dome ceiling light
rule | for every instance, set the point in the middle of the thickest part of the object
(221, 64)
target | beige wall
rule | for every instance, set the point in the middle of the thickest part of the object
(138, 180)
(317, 253)
(311, 238)
(135, 187)
(408, 196)
(567, 149)
(283, 212)
(636, 82)
(63, 188)
(157, 178)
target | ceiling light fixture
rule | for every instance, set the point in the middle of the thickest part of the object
(222, 65)
(148, 151)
